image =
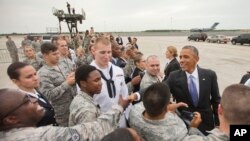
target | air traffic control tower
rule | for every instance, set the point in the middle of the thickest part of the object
(71, 19)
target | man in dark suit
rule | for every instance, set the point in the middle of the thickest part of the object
(197, 87)
(119, 40)
(245, 78)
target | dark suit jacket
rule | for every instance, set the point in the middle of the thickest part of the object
(136, 46)
(172, 66)
(209, 97)
(120, 62)
(49, 116)
(245, 78)
(119, 40)
(137, 72)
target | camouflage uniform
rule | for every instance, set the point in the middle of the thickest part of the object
(36, 45)
(71, 44)
(39, 55)
(11, 46)
(148, 80)
(66, 64)
(37, 63)
(91, 131)
(80, 60)
(83, 109)
(214, 135)
(129, 68)
(86, 43)
(26, 42)
(56, 89)
(171, 128)
(90, 58)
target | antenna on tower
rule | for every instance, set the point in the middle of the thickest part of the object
(71, 18)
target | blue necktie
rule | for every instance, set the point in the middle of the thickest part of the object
(193, 90)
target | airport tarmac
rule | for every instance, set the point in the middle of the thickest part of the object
(230, 62)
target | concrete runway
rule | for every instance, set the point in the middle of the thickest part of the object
(229, 61)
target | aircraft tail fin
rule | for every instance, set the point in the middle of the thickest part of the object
(214, 25)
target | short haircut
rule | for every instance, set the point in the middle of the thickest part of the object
(48, 47)
(192, 48)
(28, 46)
(6, 97)
(54, 38)
(114, 45)
(235, 103)
(156, 98)
(13, 69)
(120, 134)
(82, 73)
(173, 50)
(60, 38)
(102, 40)
(152, 57)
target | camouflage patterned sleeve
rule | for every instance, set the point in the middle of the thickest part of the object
(81, 116)
(145, 83)
(127, 70)
(93, 131)
(49, 90)
(26, 61)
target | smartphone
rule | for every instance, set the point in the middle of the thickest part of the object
(187, 115)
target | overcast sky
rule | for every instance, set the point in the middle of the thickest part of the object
(24, 16)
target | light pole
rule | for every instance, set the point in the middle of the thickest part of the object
(171, 19)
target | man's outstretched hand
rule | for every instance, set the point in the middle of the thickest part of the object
(123, 102)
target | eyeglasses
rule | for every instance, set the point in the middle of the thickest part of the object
(27, 98)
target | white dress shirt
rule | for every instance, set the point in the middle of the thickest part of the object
(247, 83)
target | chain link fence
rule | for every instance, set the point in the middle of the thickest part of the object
(5, 56)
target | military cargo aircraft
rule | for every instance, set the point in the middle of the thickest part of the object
(204, 29)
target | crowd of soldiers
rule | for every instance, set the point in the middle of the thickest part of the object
(96, 87)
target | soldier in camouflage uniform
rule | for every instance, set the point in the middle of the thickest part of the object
(130, 66)
(36, 44)
(152, 73)
(56, 83)
(86, 41)
(89, 55)
(83, 107)
(21, 114)
(31, 58)
(25, 42)
(11, 46)
(80, 57)
(64, 52)
(154, 122)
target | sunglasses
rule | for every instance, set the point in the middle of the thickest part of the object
(27, 98)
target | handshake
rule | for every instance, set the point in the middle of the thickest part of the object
(132, 97)
(125, 102)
